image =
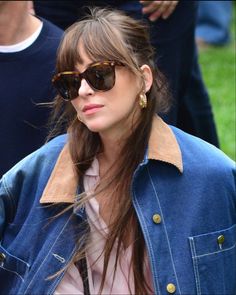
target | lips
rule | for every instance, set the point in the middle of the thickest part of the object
(91, 108)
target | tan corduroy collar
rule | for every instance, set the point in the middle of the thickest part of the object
(63, 182)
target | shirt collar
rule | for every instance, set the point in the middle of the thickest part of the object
(63, 182)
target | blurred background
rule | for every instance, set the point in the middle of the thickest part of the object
(218, 65)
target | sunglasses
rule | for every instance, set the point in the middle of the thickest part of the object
(100, 76)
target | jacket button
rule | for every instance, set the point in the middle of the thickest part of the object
(221, 239)
(156, 218)
(171, 288)
(2, 257)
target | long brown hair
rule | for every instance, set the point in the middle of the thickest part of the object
(112, 35)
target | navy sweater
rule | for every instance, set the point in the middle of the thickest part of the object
(25, 79)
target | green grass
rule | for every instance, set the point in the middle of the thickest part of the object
(218, 69)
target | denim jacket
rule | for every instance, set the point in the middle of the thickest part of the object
(183, 193)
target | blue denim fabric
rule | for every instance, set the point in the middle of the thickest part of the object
(213, 22)
(196, 207)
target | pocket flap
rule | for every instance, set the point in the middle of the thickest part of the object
(214, 242)
(12, 263)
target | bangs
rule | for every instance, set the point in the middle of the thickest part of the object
(99, 40)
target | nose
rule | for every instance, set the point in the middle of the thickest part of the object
(85, 89)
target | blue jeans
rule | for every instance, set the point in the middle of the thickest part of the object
(213, 22)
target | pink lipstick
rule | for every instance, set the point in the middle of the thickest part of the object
(91, 108)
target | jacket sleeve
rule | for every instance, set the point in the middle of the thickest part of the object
(7, 207)
(2, 213)
(22, 186)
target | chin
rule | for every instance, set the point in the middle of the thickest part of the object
(97, 125)
(95, 128)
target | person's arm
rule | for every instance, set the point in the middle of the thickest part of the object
(157, 9)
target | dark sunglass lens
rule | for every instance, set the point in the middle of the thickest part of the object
(101, 77)
(67, 85)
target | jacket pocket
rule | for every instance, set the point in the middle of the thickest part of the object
(214, 261)
(11, 265)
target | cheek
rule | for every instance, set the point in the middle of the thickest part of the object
(129, 85)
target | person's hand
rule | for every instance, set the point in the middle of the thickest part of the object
(157, 9)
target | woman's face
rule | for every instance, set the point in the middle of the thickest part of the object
(109, 112)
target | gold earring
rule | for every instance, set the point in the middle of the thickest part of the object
(143, 100)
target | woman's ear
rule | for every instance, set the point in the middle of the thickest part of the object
(148, 77)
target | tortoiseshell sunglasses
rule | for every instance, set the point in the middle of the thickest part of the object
(100, 76)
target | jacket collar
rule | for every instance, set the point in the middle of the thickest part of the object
(63, 182)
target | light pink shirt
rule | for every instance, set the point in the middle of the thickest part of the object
(123, 281)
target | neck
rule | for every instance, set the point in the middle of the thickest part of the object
(16, 23)
(111, 150)
(112, 141)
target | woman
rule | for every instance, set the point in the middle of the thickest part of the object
(123, 204)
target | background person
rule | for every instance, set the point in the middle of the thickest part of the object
(123, 196)
(27, 61)
(213, 23)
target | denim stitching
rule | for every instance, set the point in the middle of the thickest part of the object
(59, 258)
(212, 253)
(195, 265)
(217, 232)
(17, 258)
(49, 252)
(168, 243)
(150, 244)
(59, 278)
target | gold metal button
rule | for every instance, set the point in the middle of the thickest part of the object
(171, 288)
(221, 239)
(156, 218)
(2, 257)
